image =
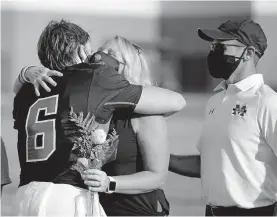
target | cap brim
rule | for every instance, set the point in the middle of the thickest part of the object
(214, 34)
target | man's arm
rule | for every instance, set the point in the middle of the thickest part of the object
(267, 118)
(185, 165)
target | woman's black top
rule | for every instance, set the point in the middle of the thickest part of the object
(129, 161)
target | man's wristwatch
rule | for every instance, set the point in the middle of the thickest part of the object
(112, 185)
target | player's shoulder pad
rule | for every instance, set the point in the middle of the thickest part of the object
(85, 67)
(108, 77)
(106, 70)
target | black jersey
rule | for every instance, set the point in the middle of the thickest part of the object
(43, 148)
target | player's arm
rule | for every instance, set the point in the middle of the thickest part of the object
(39, 76)
(185, 165)
(144, 100)
(156, 100)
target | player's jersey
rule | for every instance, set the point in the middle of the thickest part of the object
(43, 148)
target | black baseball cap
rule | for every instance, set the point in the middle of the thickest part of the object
(246, 31)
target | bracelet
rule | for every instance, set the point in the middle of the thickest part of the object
(22, 74)
(19, 79)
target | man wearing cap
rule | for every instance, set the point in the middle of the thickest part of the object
(238, 143)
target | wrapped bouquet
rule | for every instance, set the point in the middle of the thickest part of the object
(92, 148)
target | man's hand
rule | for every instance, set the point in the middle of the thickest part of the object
(39, 76)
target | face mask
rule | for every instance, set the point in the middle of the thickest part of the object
(222, 66)
(109, 60)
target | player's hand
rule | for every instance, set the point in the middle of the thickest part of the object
(40, 76)
(96, 180)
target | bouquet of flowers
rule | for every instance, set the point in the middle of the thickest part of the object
(92, 148)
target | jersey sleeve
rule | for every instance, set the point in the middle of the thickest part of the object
(127, 98)
(116, 93)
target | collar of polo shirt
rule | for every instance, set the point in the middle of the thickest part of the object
(244, 84)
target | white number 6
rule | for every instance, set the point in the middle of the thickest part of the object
(45, 129)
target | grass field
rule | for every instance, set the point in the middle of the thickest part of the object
(184, 194)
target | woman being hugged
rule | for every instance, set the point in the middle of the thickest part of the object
(141, 164)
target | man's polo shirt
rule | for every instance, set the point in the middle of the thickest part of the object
(238, 145)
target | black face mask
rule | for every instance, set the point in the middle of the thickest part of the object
(220, 65)
(108, 59)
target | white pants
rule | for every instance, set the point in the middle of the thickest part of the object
(49, 199)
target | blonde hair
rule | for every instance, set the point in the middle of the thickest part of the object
(136, 70)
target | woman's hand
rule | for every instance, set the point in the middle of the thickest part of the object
(39, 76)
(96, 180)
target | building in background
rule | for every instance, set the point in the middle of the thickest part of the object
(167, 31)
(265, 13)
(180, 21)
(22, 24)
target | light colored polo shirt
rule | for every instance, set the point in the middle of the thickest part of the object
(238, 145)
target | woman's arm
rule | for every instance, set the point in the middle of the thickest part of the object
(153, 142)
(18, 84)
(20, 80)
(38, 76)
(153, 100)
(185, 165)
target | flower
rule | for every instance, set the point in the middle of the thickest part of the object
(83, 161)
(99, 136)
(92, 146)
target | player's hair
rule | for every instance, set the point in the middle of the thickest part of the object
(58, 44)
(136, 70)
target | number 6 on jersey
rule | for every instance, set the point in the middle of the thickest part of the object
(41, 134)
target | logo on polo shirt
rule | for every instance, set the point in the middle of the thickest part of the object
(238, 110)
(211, 111)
